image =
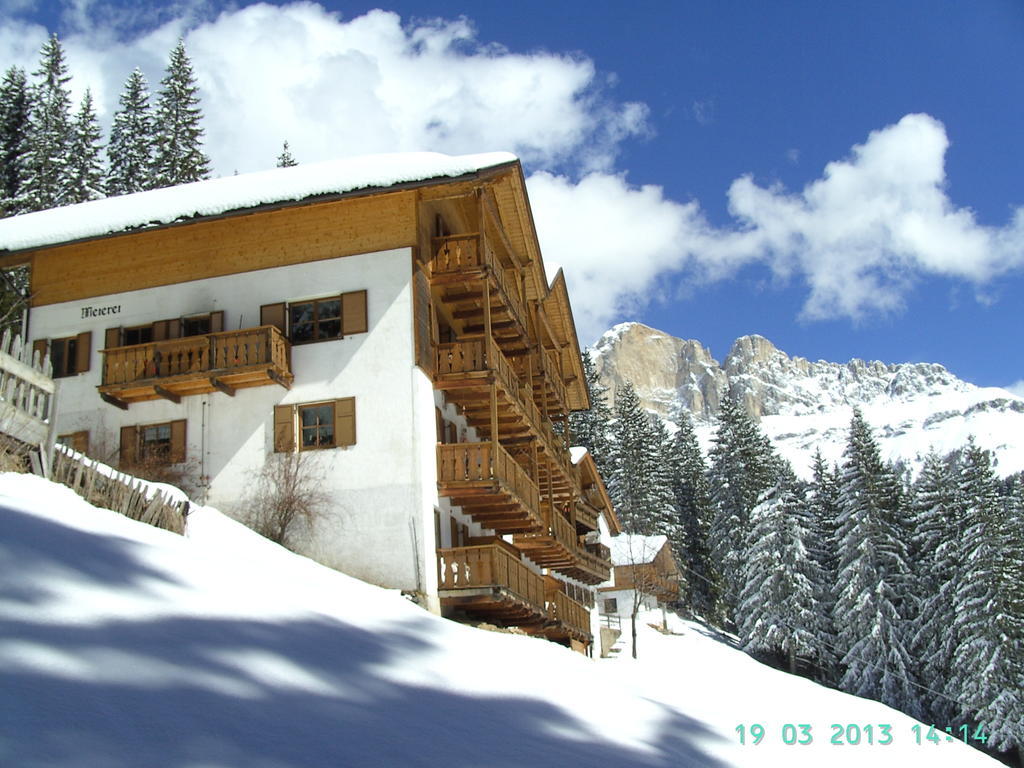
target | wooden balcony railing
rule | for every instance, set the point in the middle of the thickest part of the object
(196, 364)
(457, 255)
(464, 467)
(571, 614)
(489, 566)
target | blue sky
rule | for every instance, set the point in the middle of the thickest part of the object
(710, 168)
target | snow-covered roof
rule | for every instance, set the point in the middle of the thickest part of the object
(576, 453)
(218, 196)
(632, 548)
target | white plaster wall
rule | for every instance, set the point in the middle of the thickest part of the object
(376, 526)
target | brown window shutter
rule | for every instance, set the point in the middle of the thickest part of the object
(112, 338)
(129, 446)
(217, 321)
(284, 429)
(274, 314)
(353, 313)
(80, 441)
(177, 454)
(173, 328)
(160, 330)
(345, 421)
(83, 352)
(39, 349)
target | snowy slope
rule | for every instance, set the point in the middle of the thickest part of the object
(912, 407)
(122, 645)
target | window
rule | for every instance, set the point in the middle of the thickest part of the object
(306, 322)
(153, 444)
(76, 441)
(174, 328)
(317, 426)
(140, 334)
(68, 356)
(311, 426)
(611, 605)
(315, 320)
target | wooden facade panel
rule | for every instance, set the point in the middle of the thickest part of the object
(213, 248)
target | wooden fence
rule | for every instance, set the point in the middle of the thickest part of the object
(114, 490)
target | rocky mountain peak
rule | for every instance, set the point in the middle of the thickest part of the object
(669, 373)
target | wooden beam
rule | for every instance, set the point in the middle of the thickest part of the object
(167, 394)
(221, 386)
(278, 379)
(116, 402)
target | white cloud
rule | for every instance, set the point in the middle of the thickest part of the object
(335, 87)
(863, 232)
(615, 241)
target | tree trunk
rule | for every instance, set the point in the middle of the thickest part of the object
(792, 661)
(632, 621)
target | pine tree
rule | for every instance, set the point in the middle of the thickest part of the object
(15, 103)
(743, 466)
(989, 624)
(85, 171)
(590, 428)
(178, 156)
(779, 610)
(46, 160)
(637, 482)
(822, 548)
(937, 568)
(693, 505)
(285, 159)
(873, 631)
(130, 150)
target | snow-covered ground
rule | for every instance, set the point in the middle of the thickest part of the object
(123, 646)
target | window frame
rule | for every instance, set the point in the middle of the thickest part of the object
(288, 428)
(352, 318)
(304, 408)
(74, 356)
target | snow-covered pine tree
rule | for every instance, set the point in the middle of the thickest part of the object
(988, 621)
(873, 630)
(285, 159)
(693, 505)
(590, 428)
(936, 563)
(637, 484)
(779, 610)
(15, 103)
(130, 150)
(743, 466)
(178, 156)
(1004, 715)
(666, 517)
(49, 142)
(85, 171)
(822, 547)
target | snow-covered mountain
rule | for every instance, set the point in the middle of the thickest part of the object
(913, 407)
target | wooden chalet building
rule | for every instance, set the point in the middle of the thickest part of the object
(645, 574)
(390, 316)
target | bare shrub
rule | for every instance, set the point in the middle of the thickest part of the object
(287, 496)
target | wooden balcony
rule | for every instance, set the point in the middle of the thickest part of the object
(465, 370)
(459, 265)
(490, 583)
(568, 619)
(195, 365)
(490, 486)
(592, 564)
(554, 546)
